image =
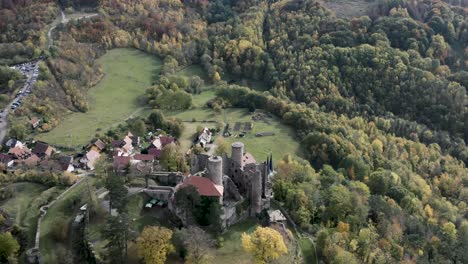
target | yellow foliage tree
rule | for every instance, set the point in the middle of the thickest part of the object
(265, 244)
(216, 77)
(154, 244)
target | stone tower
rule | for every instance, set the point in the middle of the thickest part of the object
(237, 153)
(215, 169)
(256, 193)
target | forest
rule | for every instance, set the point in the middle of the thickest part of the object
(378, 102)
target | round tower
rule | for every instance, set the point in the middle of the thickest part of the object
(215, 169)
(237, 152)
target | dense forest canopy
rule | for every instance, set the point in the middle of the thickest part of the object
(379, 103)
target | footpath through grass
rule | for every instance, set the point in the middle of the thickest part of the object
(128, 73)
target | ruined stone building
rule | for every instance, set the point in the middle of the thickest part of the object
(244, 184)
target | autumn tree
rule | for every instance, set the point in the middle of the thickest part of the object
(265, 244)
(222, 146)
(172, 159)
(8, 247)
(154, 244)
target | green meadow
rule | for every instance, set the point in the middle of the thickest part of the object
(128, 73)
(281, 143)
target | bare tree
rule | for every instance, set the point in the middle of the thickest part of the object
(198, 245)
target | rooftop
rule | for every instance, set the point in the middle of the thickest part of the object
(204, 186)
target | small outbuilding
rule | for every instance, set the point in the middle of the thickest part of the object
(276, 216)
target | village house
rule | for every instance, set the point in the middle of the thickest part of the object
(34, 122)
(13, 142)
(89, 159)
(31, 161)
(135, 139)
(98, 145)
(160, 142)
(121, 163)
(66, 163)
(146, 158)
(6, 160)
(20, 152)
(43, 150)
(205, 137)
(128, 147)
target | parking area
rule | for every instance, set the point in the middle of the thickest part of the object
(31, 71)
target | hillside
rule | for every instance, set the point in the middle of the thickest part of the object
(375, 92)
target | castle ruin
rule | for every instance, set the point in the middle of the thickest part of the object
(245, 185)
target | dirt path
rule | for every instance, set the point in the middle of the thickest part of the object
(63, 19)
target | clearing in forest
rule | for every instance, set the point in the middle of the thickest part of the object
(349, 8)
(281, 143)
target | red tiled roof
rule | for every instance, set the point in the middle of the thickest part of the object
(155, 152)
(166, 140)
(117, 143)
(204, 186)
(32, 161)
(19, 153)
(5, 158)
(144, 157)
(120, 162)
(248, 159)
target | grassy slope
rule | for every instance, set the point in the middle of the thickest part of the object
(232, 251)
(22, 208)
(128, 73)
(61, 207)
(307, 249)
(18, 205)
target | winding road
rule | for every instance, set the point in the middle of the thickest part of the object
(61, 19)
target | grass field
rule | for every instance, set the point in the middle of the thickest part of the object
(128, 73)
(282, 143)
(308, 251)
